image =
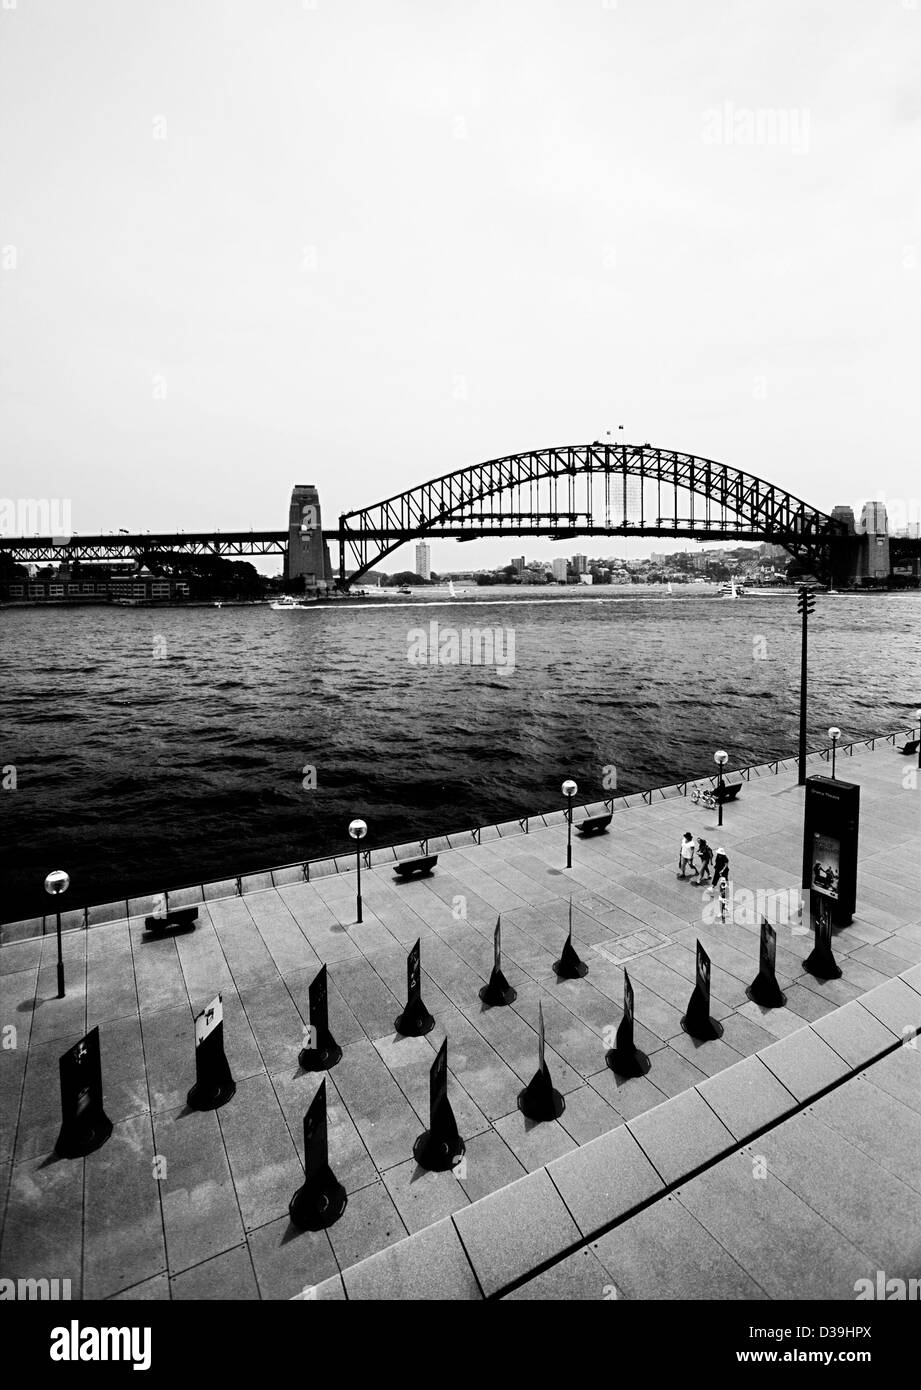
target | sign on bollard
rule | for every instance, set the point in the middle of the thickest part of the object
(764, 989)
(85, 1126)
(324, 1052)
(697, 1022)
(498, 991)
(821, 961)
(569, 966)
(625, 1058)
(539, 1101)
(214, 1084)
(440, 1146)
(415, 1020)
(321, 1199)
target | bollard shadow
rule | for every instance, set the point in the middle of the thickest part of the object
(28, 1006)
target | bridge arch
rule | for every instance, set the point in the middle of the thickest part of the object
(608, 489)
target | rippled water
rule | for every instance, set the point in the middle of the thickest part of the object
(138, 770)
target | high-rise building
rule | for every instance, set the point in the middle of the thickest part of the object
(423, 560)
(873, 520)
(580, 564)
(519, 563)
(561, 570)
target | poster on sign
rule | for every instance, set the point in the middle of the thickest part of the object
(826, 865)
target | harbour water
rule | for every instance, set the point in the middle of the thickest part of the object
(154, 747)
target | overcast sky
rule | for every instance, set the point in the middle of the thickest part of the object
(359, 244)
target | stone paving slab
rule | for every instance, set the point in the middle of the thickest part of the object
(262, 949)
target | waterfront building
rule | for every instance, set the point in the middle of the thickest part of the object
(519, 563)
(560, 570)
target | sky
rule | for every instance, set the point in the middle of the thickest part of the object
(360, 244)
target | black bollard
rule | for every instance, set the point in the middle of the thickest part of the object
(415, 1020)
(498, 991)
(214, 1084)
(569, 966)
(821, 961)
(764, 989)
(324, 1052)
(625, 1058)
(440, 1146)
(322, 1198)
(697, 1022)
(85, 1126)
(539, 1101)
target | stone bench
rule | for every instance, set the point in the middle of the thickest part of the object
(180, 919)
(594, 825)
(405, 868)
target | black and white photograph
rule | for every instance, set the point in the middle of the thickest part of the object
(460, 597)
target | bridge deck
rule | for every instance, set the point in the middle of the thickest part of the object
(214, 1224)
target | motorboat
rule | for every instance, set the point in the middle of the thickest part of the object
(288, 602)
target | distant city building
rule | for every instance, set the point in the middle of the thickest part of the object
(580, 563)
(519, 563)
(561, 570)
(423, 560)
(873, 520)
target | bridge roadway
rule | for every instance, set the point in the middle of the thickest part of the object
(841, 1198)
(145, 545)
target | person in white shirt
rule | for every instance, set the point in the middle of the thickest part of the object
(686, 854)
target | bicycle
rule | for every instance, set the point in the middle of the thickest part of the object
(703, 796)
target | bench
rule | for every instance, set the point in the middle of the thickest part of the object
(728, 794)
(594, 825)
(405, 868)
(181, 918)
(910, 747)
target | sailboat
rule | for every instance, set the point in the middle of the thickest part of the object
(452, 593)
(669, 587)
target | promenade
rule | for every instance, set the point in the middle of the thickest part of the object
(189, 1205)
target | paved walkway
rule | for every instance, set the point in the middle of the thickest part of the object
(189, 1205)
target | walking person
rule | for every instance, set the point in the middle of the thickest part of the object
(686, 854)
(720, 869)
(706, 859)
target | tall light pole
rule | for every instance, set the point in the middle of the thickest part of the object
(720, 757)
(918, 717)
(358, 830)
(569, 791)
(57, 883)
(834, 734)
(805, 604)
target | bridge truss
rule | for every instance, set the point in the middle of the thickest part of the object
(588, 490)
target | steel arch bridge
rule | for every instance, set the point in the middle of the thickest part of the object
(593, 489)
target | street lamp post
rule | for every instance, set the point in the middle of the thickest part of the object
(805, 604)
(834, 734)
(57, 883)
(918, 717)
(358, 829)
(569, 791)
(720, 758)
